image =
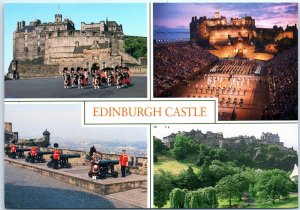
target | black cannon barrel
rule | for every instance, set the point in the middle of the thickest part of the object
(103, 163)
(65, 156)
(22, 149)
(44, 153)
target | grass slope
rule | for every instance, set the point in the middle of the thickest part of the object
(167, 163)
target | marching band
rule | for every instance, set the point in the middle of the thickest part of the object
(118, 76)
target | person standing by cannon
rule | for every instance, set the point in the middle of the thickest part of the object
(13, 150)
(123, 161)
(56, 156)
(33, 153)
(92, 151)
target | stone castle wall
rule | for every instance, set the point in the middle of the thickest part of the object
(221, 36)
(30, 71)
(59, 44)
(217, 139)
(28, 46)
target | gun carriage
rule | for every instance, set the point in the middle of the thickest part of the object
(63, 161)
(103, 168)
(39, 158)
(19, 153)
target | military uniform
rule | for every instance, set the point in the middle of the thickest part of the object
(123, 162)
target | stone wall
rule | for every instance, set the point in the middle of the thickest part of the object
(30, 71)
(138, 70)
(63, 47)
(217, 36)
(128, 58)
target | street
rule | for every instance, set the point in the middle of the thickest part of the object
(28, 189)
(53, 88)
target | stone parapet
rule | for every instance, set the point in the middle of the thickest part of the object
(77, 176)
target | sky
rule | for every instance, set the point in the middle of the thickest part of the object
(63, 121)
(178, 16)
(132, 16)
(288, 133)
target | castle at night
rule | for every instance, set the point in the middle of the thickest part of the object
(238, 37)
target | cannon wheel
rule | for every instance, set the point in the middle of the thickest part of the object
(68, 165)
(115, 174)
(101, 176)
(50, 165)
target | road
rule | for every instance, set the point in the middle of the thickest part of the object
(28, 189)
(53, 88)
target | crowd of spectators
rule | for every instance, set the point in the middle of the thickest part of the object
(283, 85)
(176, 64)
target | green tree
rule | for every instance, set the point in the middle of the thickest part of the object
(158, 145)
(182, 146)
(155, 158)
(179, 153)
(177, 197)
(232, 186)
(162, 187)
(226, 188)
(136, 46)
(187, 179)
(211, 198)
(271, 184)
(201, 198)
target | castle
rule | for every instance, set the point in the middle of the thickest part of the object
(218, 140)
(239, 37)
(10, 136)
(49, 47)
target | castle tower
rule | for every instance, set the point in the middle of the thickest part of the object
(58, 18)
(217, 15)
(46, 136)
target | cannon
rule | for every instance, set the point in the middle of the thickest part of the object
(19, 153)
(103, 168)
(7, 150)
(63, 161)
(39, 158)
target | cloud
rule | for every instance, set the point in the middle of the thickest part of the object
(176, 15)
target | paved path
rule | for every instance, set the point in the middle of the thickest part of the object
(28, 189)
(53, 88)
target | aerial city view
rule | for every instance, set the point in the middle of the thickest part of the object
(58, 53)
(61, 164)
(225, 166)
(243, 54)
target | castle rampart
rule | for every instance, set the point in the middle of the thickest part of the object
(59, 44)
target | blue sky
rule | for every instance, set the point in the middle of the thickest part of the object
(63, 121)
(177, 16)
(132, 16)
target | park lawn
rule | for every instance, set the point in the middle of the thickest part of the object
(291, 202)
(169, 164)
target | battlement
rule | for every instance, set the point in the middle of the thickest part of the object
(217, 139)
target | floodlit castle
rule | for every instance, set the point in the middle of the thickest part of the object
(238, 37)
